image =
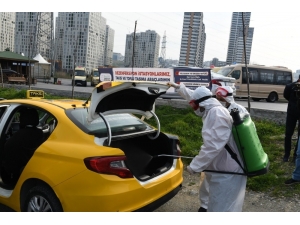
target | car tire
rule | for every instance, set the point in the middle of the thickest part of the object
(42, 199)
(272, 97)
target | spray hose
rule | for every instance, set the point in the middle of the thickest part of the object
(173, 156)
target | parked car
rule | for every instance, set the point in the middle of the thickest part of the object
(94, 155)
(221, 80)
(216, 79)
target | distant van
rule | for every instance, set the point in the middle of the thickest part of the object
(95, 77)
(80, 76)
(264, 82)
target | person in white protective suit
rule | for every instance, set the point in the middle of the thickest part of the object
(225, 94)
(224, 189)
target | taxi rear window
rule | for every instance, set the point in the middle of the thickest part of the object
(120, 124)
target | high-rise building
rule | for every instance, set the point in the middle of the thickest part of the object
(34, 34)
(118, 56)
(193, 40)
(145, 47)
(109, 46)
(7, 30)
(235, 52)
(80, 39)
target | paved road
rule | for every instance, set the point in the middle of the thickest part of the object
(66, 85)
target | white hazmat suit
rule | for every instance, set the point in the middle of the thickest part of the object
(222, 192)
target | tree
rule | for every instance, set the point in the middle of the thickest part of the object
(7, 49)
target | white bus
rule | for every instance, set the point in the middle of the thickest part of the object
(264, 82)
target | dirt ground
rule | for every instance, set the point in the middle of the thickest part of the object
(187, 200)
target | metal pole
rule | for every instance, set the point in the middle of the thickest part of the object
(133, 49)
(52, 44)
(1, 76)
(245, 56)
(29, 70)
(73, 76)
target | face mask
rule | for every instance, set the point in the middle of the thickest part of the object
(198, 113)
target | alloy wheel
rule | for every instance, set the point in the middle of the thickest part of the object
(39, 204)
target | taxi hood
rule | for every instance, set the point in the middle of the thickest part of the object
(124, 97)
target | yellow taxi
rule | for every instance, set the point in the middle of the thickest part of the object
(94, 155)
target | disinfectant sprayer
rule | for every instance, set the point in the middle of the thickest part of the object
(255, 160)
(173, 156)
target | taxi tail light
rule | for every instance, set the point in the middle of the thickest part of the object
(112, 165)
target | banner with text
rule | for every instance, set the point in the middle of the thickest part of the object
(192, 78)
(160, 75)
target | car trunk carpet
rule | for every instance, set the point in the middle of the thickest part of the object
(140, 151)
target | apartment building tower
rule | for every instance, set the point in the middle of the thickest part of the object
(34, 34)
(193, 40)
(146, 49)
(118, 56)
(7, 30)
(235, 52)
(80, 40)
(109, 46)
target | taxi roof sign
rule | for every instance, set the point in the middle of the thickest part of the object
(35, 94)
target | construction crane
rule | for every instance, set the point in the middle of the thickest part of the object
(43, 42)
(162, 58)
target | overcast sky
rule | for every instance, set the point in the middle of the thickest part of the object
(276, 39)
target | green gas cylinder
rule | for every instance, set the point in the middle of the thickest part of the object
(256, 161)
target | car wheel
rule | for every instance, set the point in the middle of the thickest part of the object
(42, 199)
(256, 99)
(272, 97)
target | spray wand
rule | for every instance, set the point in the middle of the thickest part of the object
(173, 156)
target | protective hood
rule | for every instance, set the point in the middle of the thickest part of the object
(201, 93)
(124, 97)
(226, 92)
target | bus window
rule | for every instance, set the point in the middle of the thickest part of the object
(254, 79)
(279, 78)
(283, 78)
(236, 74)
(288, 77)
(266, 77)
(253, 76)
